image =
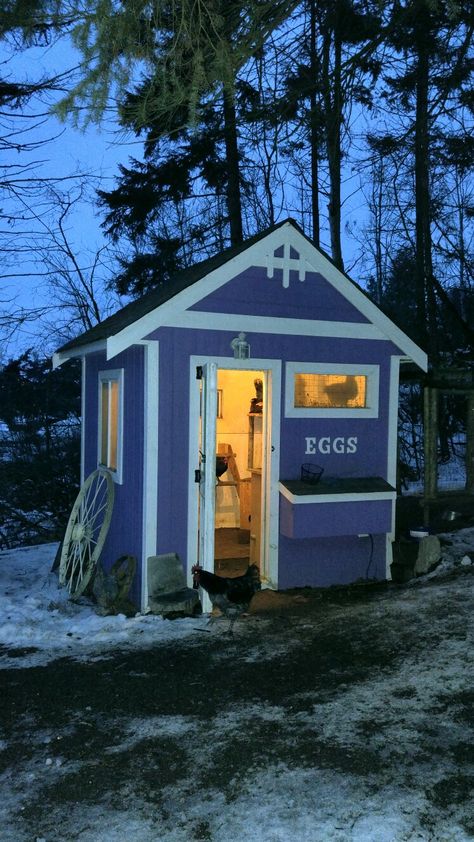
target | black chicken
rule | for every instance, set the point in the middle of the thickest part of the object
(341, 393)
(231, 595)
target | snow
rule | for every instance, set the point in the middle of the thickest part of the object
(36, 613)
(395, 715)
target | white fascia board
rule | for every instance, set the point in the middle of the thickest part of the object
(168, 312)
(359, 300)
(260, 254)
(61, 357)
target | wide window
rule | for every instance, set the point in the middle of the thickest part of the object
(318, 390)
(110, 422)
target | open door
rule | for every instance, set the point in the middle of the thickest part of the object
(241, 469)
(234, 417)
(207, 374)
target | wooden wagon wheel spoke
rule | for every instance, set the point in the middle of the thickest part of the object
(86, 531)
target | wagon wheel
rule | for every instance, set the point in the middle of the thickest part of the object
(87, 527)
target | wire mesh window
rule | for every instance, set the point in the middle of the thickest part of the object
(330, 390)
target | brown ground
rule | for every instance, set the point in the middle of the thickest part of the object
(294, 652)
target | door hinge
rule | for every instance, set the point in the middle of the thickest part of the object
(199, 372)
(197, 475)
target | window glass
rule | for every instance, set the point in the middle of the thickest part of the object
(113, 424)
(104, 436)
(110, 421)
(330, 390)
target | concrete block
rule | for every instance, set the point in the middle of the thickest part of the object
(183, 603)
(165, 574)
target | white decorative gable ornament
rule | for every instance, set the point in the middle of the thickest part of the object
(286, 257)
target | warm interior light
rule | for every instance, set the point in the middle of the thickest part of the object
(109, 424)
(330, 390)
(113, 427)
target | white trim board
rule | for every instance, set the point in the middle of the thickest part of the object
(83, 419)
(369, 371)
(202, 320)
(258, 255)
(150, 462)
(392, 439)
(82, 351)
(352, 497)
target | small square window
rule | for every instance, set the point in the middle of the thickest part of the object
(110, 422)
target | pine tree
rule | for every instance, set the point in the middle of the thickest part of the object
(428, 84)
(337, 67)
(39, 419)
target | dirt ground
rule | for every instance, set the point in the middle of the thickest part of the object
(154, 734)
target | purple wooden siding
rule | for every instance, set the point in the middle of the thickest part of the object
(362, 440)
(125, 533)
(173, 444)
(176, 346)
(324, 520)
(330, 561)
(253, 293)
(319, 559)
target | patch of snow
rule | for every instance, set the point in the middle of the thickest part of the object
(37, 614)
(391, 729)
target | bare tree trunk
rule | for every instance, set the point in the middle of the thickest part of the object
(425, 296)
(376, 208)
(234, 205)
(314, 126)
(332, 94)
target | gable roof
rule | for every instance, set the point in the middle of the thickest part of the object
(144, 314)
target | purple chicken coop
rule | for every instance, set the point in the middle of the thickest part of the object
(246, 412)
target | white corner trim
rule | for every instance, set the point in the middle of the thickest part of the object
(150, 462)
(58, 359)
(83, 418)
(392, 421)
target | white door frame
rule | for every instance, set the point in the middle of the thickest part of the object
(272, 400)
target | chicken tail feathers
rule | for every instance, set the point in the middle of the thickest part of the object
(253, 574)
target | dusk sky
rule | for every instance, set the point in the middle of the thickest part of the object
(95, 150)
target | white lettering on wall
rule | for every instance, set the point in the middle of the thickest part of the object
(325, 445)
(351, 444)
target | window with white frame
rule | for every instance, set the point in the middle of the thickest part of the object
(317, 390)
(110, 422)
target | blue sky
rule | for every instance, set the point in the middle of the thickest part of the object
(97, 151)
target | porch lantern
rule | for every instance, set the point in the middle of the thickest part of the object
(240, 347)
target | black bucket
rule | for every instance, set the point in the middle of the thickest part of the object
(311, 473)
